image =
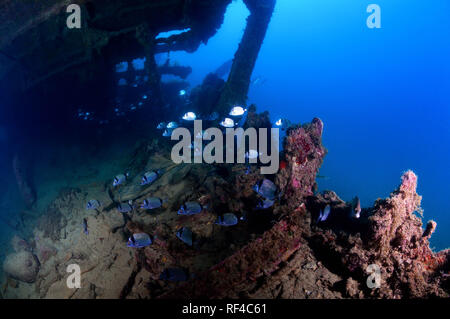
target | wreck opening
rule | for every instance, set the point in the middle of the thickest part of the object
(78, 63)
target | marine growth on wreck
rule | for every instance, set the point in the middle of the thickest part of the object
(102, 195)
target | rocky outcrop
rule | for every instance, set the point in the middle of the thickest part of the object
(389, 238)
(22, 266)
(397, 242)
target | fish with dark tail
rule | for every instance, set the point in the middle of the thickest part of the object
(266, 188)
(139, 240)
(120, 179)
(191, 208)
(125, 207)
(152, 203)
(185, 235)
(94, 204)
(150, 177)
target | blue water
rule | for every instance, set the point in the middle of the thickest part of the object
(383, 94)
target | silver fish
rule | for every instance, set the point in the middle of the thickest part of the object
(189, 116)
(185, 235)
(266, 189)
(237, 111)
(323, 215)
(252, 154)
(191, 208)
(93, 204)
(228, 219)
(152, 203)
(172, 125)
(139, 240)
(227, 122)
(278, 123)
(125, 207)
(120, 179)
(150, 177)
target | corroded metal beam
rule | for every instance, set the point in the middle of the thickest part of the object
(238, 83)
